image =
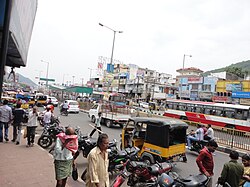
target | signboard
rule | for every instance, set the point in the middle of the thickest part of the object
(241, 95)
(245, 102)
(110, 68)
(44, 79)
(221, 99)
(233, 87)
(206, 95)
(193, 80)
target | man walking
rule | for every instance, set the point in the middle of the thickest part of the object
(31, 127)
(97, 124)
(17, 123)
(5, 118)
(205, 160)
(97, 168)
(232, 171)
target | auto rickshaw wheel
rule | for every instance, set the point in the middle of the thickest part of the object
(184, 158)
(109, 123)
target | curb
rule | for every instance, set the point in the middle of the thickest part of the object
(228, 150)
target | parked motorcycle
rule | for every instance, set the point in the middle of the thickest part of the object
(49, 135)
(143, 175)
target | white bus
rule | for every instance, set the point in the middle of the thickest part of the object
(218, 114)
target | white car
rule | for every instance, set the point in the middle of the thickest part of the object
(54, 101)
(73, 106)
(144, 105)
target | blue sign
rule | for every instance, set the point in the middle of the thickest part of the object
(234, 87)
(245, 95)
(110, 68)
(2, 11)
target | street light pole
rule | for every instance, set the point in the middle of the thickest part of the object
(183, 63)
(47, 73)
(112, 52)
(63, 79)
(73, 80)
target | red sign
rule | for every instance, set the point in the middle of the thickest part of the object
(195, 80)
(220, 99)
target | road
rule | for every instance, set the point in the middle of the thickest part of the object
(184, 169)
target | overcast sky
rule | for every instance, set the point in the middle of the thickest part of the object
(156, 35)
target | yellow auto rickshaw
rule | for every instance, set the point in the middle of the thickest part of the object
(159, 139)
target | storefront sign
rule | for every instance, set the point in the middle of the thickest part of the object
(233, 87)
(193, 80)
(221, 99)
(241, 95)
(245, 102)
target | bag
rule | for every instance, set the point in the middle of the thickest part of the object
(25, 132)
(74, 172)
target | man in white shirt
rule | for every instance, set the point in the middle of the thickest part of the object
(5, 118)
(197, 136)
(47, 117)
(209, 135)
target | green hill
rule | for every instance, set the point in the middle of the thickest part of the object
(244, 65)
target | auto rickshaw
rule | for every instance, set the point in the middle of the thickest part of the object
(159, 139)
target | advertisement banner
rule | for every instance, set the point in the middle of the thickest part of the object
(221, 99)
(193, 80)
(205, 95)
(241, 95)
(245, 102)
(132, 71)
(234, 87)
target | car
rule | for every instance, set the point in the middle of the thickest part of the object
(54, 101)
(73, 106)
(144, 105)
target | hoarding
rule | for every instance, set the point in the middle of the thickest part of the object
(241, 95)
(233, 87)
(194, 80)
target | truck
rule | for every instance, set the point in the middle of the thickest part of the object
(111, 114)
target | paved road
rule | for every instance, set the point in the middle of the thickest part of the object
(184, 169)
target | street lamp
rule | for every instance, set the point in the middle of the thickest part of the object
(73, 80)
(40, 71)
(182, 72)
(63, 78)
(111, 60)
(90, 72)
(47, 73)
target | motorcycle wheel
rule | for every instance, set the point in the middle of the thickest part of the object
(45, 141)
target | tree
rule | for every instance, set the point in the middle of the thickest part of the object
(236, 71)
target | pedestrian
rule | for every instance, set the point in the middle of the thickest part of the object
(18, 114)
(205, 160)
(245, 182)
(47, 117)
(209, 135)
(97, 124)
(31, 127)
(5, 119)
(97, 169)
(232, 171)
(197, 136)
(65, 147)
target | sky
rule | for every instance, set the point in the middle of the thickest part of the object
(156, 35)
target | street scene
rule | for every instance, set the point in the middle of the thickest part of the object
(116, 94)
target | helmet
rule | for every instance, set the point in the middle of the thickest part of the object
(51, 107)
(165, 180)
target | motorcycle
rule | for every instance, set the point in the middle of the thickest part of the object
(64, 111)
(49, 135)
(197, 146)
(144, 175)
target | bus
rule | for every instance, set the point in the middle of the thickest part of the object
(117, 99)
(217, 114)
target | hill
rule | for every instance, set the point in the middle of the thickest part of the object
(244, 65)
(25, 80)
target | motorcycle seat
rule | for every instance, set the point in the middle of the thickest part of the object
(204, 141)
(194, 180)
